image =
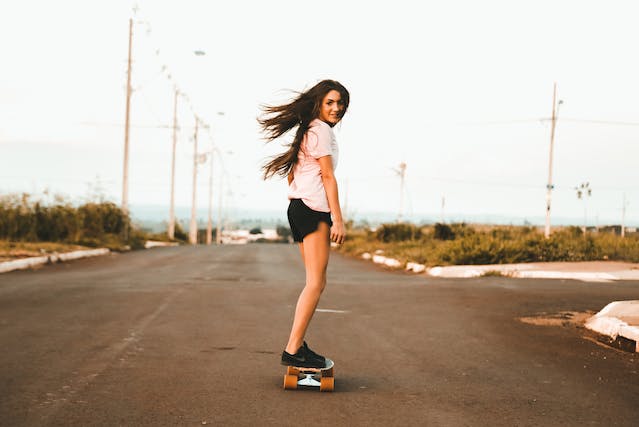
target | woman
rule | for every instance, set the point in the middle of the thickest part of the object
(314, 213)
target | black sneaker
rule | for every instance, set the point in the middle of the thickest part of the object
(304, 358)
(313, 354)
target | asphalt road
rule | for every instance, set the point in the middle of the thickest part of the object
(193, 335)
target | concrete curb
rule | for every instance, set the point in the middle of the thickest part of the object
(618, 319)
(531, 271)
(158, 244)
(604, 272)
(21, 264)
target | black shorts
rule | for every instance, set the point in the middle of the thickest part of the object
(304, 220)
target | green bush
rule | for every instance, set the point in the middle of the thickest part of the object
(398, 232)
(180, 234)
(283, 231)
(91, 224)
(462, 244)
(100, 218)
(462, 230)
(443, 232)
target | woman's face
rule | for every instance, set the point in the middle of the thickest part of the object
(332, 107)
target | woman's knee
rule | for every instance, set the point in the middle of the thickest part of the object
(316, 283)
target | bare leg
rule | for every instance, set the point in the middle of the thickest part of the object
(315, 251)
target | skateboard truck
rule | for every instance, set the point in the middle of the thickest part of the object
(310, 377)
(309, 381)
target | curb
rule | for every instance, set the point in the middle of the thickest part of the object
(521, 270)
(530, 271)
(620, 321)
(21, 264)
(478, 271)
(158, 244)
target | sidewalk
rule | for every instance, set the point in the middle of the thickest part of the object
(619, 320)
(24, 263)
(30, 262)
(594, 271)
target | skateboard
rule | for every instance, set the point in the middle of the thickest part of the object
(310, 377)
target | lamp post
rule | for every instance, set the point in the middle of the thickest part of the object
(402, 174)
(218, 234)
(209, 226)
(193, 224)
(171, 230)
(583, 191)
(197, 158)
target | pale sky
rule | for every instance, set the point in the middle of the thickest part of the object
(459, 90)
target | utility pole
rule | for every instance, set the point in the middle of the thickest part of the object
(125, 173)
(209, 226)
(550, 186)
(193, 224)
(218, 232)
(623, 216)
(402, 174)
(171, 231)
(443, 205)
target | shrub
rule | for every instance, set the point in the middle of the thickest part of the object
(492, 245)
(462, 230)
(91, 224)
(283, 231)
(443, 232)
(102, 218)
(398, 232)
(180, 234)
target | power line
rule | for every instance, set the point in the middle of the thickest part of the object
(505, 182)
(548, 119)
(107, 124)
(599, 122)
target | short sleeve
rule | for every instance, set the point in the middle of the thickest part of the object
(318, 142)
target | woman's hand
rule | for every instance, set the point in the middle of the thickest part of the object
(338, 232)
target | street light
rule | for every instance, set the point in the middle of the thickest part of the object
(218, 235)
(197, 158)
(401, 172)
(209, 226)
(583, 191)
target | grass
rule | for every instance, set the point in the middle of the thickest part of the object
(493, 273)
(16, 250)
(461, 244)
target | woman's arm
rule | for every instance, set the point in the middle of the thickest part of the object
(338, 232)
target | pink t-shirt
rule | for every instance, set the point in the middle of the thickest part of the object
(307, 184)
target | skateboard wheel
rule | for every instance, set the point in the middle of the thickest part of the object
(327, 384)
(328, 373)
(290, 382)
(292, 371)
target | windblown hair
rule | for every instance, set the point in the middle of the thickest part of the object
(279, 119)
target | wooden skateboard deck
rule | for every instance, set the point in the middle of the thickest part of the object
(310, 377)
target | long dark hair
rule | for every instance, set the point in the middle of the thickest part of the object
(279, 119)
